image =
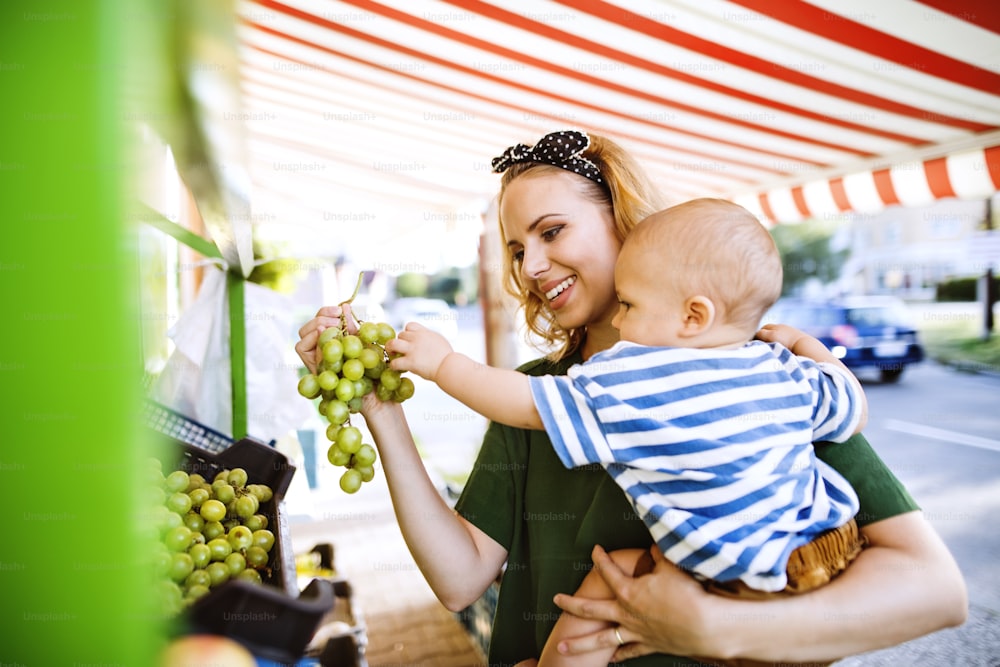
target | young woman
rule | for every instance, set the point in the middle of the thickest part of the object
(566, 205)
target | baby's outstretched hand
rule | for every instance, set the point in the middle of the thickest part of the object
(781, 333)
(419, 350)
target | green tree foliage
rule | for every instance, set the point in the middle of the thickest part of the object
(806, 253)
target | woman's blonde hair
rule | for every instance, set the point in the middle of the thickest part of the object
(630, 196)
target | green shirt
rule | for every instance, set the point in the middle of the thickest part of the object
(549, 518)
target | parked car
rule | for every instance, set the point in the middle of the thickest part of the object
(865, 332)
(434, 314)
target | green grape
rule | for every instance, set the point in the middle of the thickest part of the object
(350, 481)
(375, 371)
(219, 572)
(181, 566)
(251, 575)
(169, 520)
(352, 347)
(213, 529)
(353, 369)
(349, 439)
(162, 561)
(331, 431)
(223, 492)
(328, 334)
(370, 357)
(263, 539)
(337, 456)
(385, 333)
(390, 379)
(176, 481)
(383, 393)
(235, 563)
(361, 388)
(337, 412)
(365, 455)
(256, 522)
(256, 558)
(196, 591)
(309, 386)
(213, 510)
(334, 366)
(195, 481)
(194, 521)
(354, 405)
(333, 350)
(262, 492)
(246, 506)
(179, 502)
(367, 473)
(198, 577)
(178, 538)
(200, 554)
(199, 496)
(220, 548)
(368, 332)
(345, 390)
(237, 478)
(239, 538)
(404, 391)
(328, 381)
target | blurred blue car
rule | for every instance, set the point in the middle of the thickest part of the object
(865, 332)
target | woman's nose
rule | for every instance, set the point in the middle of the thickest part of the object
(534, 263)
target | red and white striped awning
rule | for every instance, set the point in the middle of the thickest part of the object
(388, 112)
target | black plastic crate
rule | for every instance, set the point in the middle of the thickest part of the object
(184, 429)
(272, 619)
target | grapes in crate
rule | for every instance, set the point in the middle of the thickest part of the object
(210, 531)
(353, 365)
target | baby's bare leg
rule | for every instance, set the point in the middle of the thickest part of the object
(567, 626)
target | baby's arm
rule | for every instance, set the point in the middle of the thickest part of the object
(636, 561)
(802, 344)
(499, 395)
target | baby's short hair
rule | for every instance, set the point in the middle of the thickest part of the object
(717, 249)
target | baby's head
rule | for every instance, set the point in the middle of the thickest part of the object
(712, 248)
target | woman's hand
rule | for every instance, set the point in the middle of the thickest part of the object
(647, 620)
(326, 317)
(904, 585)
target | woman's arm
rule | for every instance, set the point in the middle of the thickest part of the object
(458, 560)
(904, 585)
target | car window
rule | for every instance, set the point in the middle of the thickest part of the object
(877, 316)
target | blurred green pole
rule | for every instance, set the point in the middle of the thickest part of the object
(73, 588)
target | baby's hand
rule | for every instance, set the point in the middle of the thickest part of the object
(782, 334)
(418, 349)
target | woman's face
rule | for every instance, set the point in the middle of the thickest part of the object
(564, 245)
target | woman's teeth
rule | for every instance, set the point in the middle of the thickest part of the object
(558, 289)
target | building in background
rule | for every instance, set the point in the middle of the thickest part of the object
(906, 251)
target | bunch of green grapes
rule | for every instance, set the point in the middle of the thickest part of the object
(353, 366)
(209, 532)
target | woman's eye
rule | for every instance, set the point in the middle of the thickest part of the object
(551, 232)
(517, 256)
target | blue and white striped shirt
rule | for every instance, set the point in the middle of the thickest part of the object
(713, 447)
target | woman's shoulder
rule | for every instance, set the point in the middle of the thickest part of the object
(546, 366)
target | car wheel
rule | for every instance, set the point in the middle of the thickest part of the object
(891, 375)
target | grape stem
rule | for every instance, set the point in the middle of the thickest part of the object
(357, 287)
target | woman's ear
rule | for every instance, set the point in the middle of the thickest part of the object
(699, 314)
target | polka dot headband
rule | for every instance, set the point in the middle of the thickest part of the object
(561, 149)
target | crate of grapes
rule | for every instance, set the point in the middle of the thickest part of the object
(226, 556)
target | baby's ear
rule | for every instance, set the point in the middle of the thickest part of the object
(699, 314)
